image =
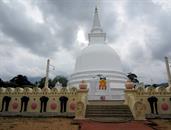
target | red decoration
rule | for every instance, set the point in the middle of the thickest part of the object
(34, 106)
(73, 106)
(53, 106)
(164, 106)
(15, 105)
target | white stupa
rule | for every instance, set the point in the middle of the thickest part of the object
(96, 61)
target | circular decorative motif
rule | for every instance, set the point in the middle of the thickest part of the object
(164, 106)
(72, 106)
(34, 106)
(15, 105)
(53, 106)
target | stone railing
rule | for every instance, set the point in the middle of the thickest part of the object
(62, 100)
(148, 101)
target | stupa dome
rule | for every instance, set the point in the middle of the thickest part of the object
(98, 57)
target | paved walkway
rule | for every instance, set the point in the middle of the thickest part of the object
(134, 125)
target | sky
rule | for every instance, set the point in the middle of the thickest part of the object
(31, 31)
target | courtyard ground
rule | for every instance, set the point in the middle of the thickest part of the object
(20, 123)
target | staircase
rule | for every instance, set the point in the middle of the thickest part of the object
(109, 113)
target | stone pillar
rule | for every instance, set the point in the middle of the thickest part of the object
(81, 101)
(129, 88)
(137, 107)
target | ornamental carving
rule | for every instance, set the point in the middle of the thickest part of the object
(80, 109)
(139, 109)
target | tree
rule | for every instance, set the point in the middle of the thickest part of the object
(20, 81)
(41, 83)
(61, 79)
(155, 85)
(1, 82)
(133, 77)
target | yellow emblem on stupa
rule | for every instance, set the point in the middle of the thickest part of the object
(102, 84)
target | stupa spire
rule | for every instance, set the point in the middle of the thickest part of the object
(96, 22)
(96, 36)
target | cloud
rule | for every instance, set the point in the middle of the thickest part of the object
(158, 17)
(16, 24)
(32, 31)
(142, 38)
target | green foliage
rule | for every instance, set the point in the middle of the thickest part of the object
(61, 79)
(1, 82)
(41, 83)
(17, 81)
(22, 81)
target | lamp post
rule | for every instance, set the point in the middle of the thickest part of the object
(47, 74)
(168, 70)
